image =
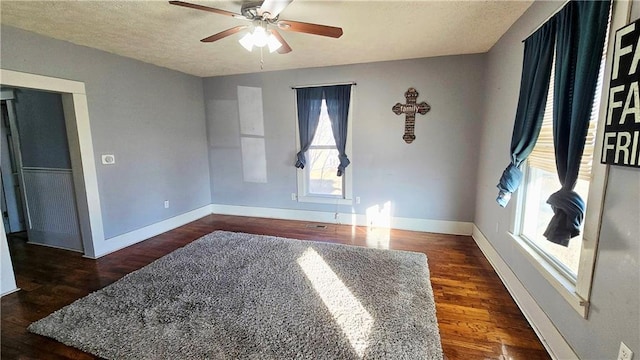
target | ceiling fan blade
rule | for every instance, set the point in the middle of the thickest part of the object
(273, 7)
(285, 48)
(206, 8)
(316, 29)
(224, 34)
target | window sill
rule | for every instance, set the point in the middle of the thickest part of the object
(559, 282)
(324, 200)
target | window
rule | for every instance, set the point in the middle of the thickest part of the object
(541, 180)
(569, 269)
(318, 182)
(321, 177)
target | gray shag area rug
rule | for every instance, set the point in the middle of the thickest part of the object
(240, 296)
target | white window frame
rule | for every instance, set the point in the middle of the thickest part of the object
(577, 293)
(302, 175)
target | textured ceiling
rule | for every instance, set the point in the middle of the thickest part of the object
(165, 35)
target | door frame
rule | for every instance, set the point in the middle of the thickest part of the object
(13, 200)
(8, 96)
(76, 113)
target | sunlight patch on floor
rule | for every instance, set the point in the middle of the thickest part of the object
(379, 226)
(354, 320)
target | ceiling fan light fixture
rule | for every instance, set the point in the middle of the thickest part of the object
(247, 41)
(260, 37)
(273, 43)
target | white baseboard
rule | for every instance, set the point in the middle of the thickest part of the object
(10, 292)
(130, 238)
(434, 226)
(551, 338)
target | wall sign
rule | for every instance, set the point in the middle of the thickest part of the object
(410, 109)
(621, 143)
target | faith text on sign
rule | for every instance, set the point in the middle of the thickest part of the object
(621, 144)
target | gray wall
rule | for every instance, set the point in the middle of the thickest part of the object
(614, 314)
(151, 118)
(43, 135)
(432, 178)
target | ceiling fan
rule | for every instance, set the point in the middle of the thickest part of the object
(265, 24)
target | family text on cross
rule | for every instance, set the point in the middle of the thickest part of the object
(410, 109)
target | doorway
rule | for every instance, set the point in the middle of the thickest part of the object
(76, 114)
(37, 175)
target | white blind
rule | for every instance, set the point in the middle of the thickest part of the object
(543, 155)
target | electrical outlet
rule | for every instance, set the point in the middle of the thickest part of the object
(357, 199)
(294, 196)
(166, 204)
(624, 353)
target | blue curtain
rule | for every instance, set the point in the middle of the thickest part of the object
(338, 98)
(581, 27)
(534, 85)
(309, 102)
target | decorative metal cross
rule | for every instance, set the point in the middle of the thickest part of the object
(410, 109)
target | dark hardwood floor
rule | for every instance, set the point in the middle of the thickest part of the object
(478, 319)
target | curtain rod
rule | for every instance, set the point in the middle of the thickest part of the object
(547, 19)
(319, 85)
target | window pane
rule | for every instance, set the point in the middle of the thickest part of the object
(324, 134)
(537, 214)
(323, 168)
